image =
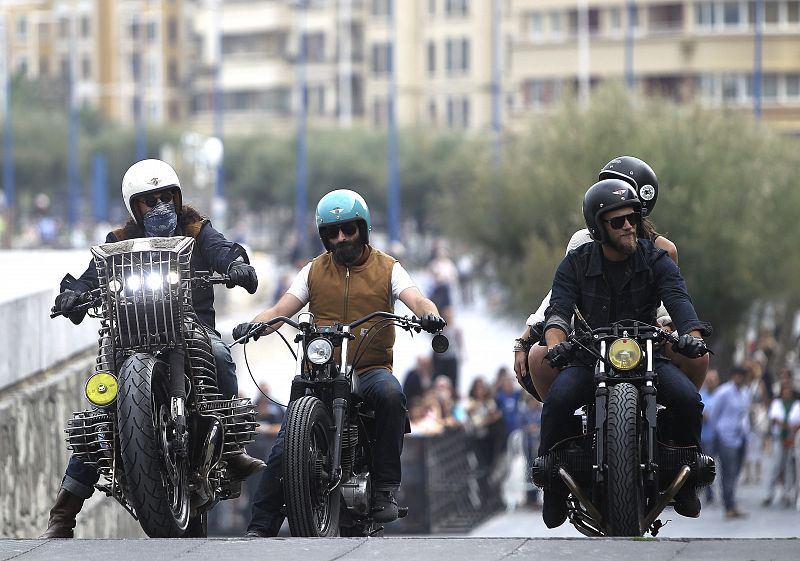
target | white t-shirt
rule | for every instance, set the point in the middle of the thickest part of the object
(777, 412)
(400, 281)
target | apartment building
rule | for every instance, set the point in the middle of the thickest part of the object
(130, 58)
(680, 49)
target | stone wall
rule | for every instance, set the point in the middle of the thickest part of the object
(33, 454)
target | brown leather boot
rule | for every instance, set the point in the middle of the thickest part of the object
(241, 466)
(62, 515)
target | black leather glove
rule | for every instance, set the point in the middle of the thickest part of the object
(690, 346)
(432, 323)
(243, 275)
(244, 329)
(560, 355)
(66, 303)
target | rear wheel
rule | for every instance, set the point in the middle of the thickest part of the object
(311, 510)
(625, 505)
(157, 483)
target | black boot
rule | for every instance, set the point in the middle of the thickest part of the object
(241, 466)
(62, 515)
(554, 508)
(384, 507)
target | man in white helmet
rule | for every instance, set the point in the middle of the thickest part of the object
(151, 191)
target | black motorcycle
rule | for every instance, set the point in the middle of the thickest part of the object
(330, 431)
(159, 431)
(623, 468)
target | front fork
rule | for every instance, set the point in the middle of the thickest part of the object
(177, 400)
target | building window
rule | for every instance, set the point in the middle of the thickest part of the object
(86, 27)
(380, 111)
(381, 59)
(172, 31)
(314, 47)
(533, 23)
(22, 66)
(431, 7)
(793, 86)
(457, 56)
(86, 67)
(705, 15)
(431, 58)
(172, 73)
(381, 8)
(731, 14)
(316, 100)
(593, 21)
(63, 28)
(793, 12)
(614, 20)
(432, 111)
(22, 28)
(540, 93)
(556, 25)
(665, 18)
(134, 30)
(456, 8)
(458, 112)
(152, 31)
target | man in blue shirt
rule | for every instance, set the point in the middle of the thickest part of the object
(730, 423)
(617, 277)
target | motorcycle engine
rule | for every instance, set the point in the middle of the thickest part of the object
(356, 493)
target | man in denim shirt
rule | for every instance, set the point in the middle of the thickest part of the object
(616, 277)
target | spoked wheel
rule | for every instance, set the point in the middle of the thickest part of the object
(157, 481)
(625, 494)
(312, 511)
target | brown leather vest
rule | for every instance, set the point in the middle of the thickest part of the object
(340, 294)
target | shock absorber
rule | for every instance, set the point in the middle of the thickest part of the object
(177, 394)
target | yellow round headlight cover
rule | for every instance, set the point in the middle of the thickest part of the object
(625, 354)
(101, 389)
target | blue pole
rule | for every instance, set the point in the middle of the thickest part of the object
(100, 183)
(394, 174)
(72, 154)
(629, 30)
(9, 186)
(497, 124)
(301, 149)
(757, 59)
(141, 134)
(219, 108)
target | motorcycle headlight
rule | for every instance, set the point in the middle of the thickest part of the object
(624, 354)
(173, 277)
(154, 281)
(319, 351)
(133, 283)
(101, 389)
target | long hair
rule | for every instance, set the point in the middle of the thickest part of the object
(646, 229)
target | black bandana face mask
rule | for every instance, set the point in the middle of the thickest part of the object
(160, 221)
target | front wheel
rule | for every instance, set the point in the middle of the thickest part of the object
(312, 511)
(156, 477)
(625, 505)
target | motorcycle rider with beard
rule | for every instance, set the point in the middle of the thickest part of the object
(350, 280)
(616, 277)
(151, 191)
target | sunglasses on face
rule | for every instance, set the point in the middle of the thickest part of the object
(348, 228)
(152, 200)
(619, 221)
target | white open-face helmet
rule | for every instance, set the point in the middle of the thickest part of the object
(149, 176)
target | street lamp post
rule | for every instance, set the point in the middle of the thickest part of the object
(9, 189)
(394, 174)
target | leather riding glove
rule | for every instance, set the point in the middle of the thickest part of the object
(66, 303)
(690, 346)
(243, 275)
(560, 355)
(244, 329)
(432, 323)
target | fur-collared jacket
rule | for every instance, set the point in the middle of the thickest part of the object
(212, 252)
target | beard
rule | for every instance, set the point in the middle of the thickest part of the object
(626, 245)
(348, 252)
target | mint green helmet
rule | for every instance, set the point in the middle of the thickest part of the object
(340, 206)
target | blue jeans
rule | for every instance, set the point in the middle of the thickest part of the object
(731, 459)
(383, 393)
(80, 478)
(227, 382)
(575, 387)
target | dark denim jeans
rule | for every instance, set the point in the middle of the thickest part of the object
(731, 459)
(382, 392)
(79, 478)
(575, 387)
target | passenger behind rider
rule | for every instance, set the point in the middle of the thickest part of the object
(535, 375)
(618, 276)
(151, 191)
(354, 276)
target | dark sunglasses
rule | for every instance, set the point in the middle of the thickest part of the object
(348, 228)
(152, 200)
(619, 221)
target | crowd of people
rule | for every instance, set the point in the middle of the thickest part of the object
(751, 425)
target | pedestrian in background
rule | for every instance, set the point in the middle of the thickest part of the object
(784, 419)
(707, 437)
(729, 418)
